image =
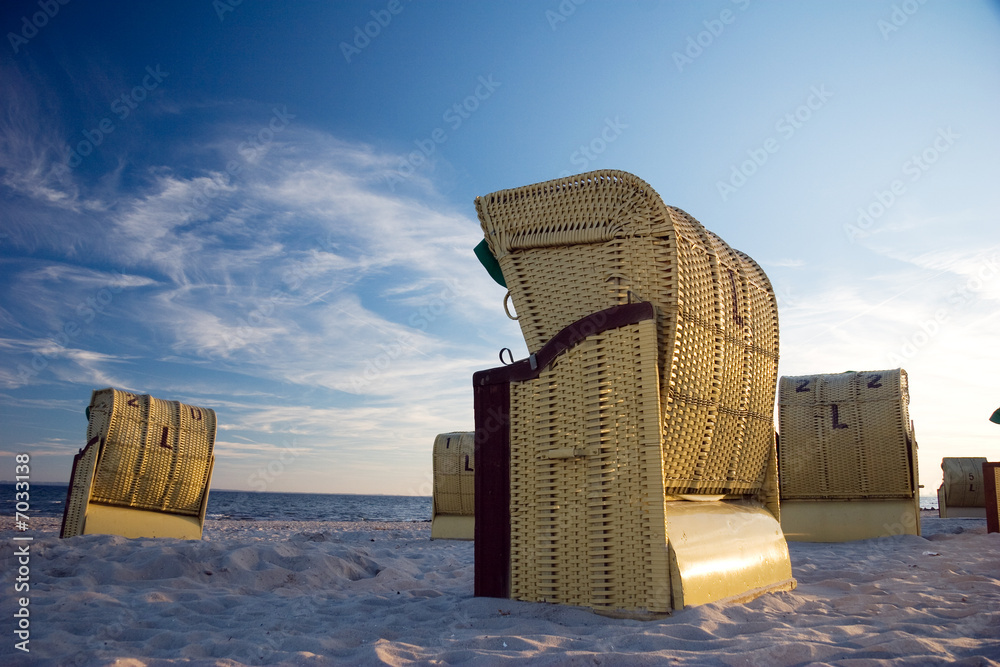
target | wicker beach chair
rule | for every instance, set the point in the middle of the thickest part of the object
(962, 492)
(145, 471)
(628, 464)
(454, 503)
(847, 457)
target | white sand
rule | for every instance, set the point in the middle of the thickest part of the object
(311, 593)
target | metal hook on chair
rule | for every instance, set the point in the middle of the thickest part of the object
(506, 309)
(509, 353)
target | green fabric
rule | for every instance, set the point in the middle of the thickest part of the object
(996, 416)
(487, 259)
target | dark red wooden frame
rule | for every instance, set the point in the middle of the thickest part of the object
(990, 487)
(491, 389)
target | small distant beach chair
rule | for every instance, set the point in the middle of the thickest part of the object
(454, 503)
(628, 463)
(145, 471)
(847, 457)
(962, 493)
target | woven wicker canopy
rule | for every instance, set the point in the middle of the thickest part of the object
(146, 468)
(846, 435)
(575, 246)
(847, 457)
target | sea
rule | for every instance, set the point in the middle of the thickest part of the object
(49, 500)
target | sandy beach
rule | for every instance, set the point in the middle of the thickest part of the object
(335, 593)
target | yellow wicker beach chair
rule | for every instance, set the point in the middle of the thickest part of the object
(145, 471)
(847, 457)
(454, 503)
(962, 492)
(628, 464)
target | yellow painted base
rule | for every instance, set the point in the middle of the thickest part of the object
(110, 520)
(848, 520)
(946, 511)
(724, 551)
(453, 527)
(962, 512)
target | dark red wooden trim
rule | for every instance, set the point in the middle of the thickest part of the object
(492, 533)
(574, 334)
(990, 487)
(491, 392)
(72, 475)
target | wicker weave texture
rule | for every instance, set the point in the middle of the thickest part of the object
(962, 481)
(156, 454)
(846, 435)
(575, 246)
(587, 499)
(454, 473)
(75, 511)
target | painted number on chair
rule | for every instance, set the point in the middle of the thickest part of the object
(873, 381)
(163, 439)
(467, 468)
(803, 385)
(836, 417)
(196, 414)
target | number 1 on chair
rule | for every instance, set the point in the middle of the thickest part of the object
(836, 417)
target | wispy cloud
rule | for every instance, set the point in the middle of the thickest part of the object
(29, 145)
(301, 274)
(785, 263)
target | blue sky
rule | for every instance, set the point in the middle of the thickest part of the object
(267, 208)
